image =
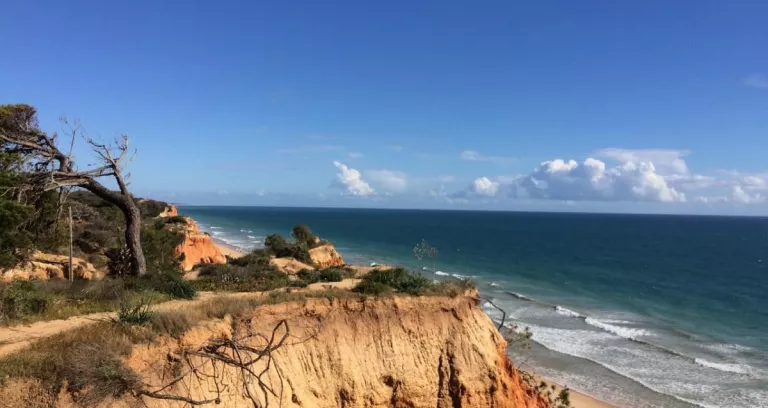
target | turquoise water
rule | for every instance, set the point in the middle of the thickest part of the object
(639, 310)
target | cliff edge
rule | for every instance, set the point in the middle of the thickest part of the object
(350, 352)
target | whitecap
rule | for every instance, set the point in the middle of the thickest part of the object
(566, 312)
(251, 237)
(457, 276)
(520, 296)
(728, 348)
(441, 273)
(730, 368)
(212, 227)
(494, 284)
(625, 332)
(217, 233)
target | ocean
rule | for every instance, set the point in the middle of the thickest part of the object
(636, 310)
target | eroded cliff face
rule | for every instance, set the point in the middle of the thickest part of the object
(325, 256)
(49, 266)
(387, 352)
(197, 247)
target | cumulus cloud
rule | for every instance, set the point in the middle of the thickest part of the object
(471, 155)
(666, 161)
(741, 196)
(633, 178)
(594, 180)
(395, 181)
(485, 187)
(350, 180)
(756, 81)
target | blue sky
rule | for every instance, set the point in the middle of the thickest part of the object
(662, 106)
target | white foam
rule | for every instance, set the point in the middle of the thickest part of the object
(626, 332)
(217, 233)
(251, 237)
(494, 284)
(441, 273)
(728, 348)
(730, 368)
(457, 276)
(212, 227)
(566, 312)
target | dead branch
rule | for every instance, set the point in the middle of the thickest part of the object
(238, 353)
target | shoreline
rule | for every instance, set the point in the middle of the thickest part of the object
(228, 250)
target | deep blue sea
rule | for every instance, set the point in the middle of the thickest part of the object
(637, 310)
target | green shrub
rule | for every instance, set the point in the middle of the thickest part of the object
(134, 314)
(278, 246)
(259, 258)
(400, 280)
(20, 299)
(367, 287)
(160, 249)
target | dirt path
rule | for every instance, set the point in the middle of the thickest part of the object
(14, 338)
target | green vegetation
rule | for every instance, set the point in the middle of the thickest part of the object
(28, 301)
(324, 275)
(304, 240)
(251, 273)
(400, 280)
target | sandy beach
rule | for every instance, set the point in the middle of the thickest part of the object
(229, 251)
(581, 400)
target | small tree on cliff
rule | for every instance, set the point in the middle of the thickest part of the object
(48, 168)
(424, 250)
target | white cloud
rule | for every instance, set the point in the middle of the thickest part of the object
(390, 180)
(634, 178)
(485, 187)
(666, 161)
(593, 180)
(756, 81)
(355, 155)
(743, 197)
(350, 180)
(471, 155)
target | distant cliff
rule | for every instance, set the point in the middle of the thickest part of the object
(197, 247)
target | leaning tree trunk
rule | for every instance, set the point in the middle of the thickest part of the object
(132, 223)
(133, 239)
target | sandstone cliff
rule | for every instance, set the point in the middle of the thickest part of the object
(169, 211)
(325, 256)
(386, 352)
(197, 247)
(50, 266)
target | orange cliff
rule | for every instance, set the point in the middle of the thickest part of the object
(325, 256)
(350, 352)
(197, 247)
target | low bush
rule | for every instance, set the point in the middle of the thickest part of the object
(367, 287)
(400, 280)
(325, 275)
(20, 299)
(239, 279)
(135, 313)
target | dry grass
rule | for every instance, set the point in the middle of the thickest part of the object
(86, 361)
